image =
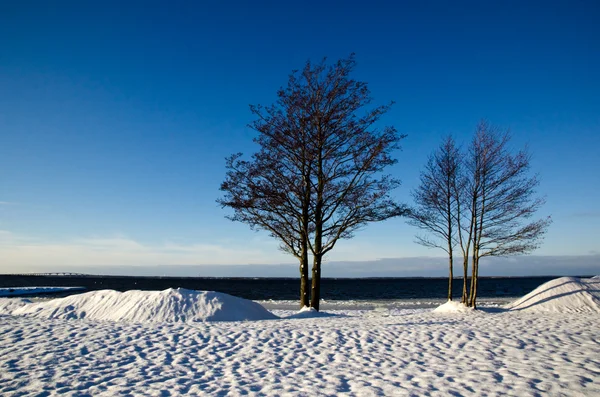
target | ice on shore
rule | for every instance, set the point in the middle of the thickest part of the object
(23, 291)
(170, 305)
(562, 295)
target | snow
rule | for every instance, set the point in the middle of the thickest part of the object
(20, 291)
(287, 307)
(453, 307)
(171, 305)
(562, 295)
(308, 312)
(8, 305)
(360, 351)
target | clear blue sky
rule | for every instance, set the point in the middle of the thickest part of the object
(116, 117)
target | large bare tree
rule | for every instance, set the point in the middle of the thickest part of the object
(272, 192)
(437, 202)
(318, 176)
(349, 157)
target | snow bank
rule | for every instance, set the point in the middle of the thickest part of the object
(171, 305)
(562, 295)
(453, 307)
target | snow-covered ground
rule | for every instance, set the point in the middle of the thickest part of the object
(357, 351)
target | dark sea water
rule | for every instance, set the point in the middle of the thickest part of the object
(288, 288)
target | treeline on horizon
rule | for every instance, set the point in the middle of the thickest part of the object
(319, 176)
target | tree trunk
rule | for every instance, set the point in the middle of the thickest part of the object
(450, 278)
(475, 250)
(317, 257)
(304, 282)
(318, 219)
(316, 283)
(465, 275)
(476, 278)
(473, 280)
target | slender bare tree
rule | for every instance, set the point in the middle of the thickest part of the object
(464, 226)
(483, 200)
(437, 202)
(502, 193)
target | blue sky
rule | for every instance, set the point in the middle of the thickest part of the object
(116, 117)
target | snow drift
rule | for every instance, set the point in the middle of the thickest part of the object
(170, 305)
(453, 307)
(562, 295)
(308, 312)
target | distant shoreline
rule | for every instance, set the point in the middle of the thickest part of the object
(78, 275)
(287, 288)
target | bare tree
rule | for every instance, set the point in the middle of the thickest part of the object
(349, 156)
(464, 226)
(317, 176)
(437, 203)
(502, 196)
(482, 200)
(273, 191)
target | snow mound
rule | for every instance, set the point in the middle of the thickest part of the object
(562, 295)
(170, 305)
(309, 312)
(453, 307)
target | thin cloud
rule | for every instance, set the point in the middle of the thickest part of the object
(5, 235)
(18, 253)
(389, 267)
(119, 254)
(586, 214)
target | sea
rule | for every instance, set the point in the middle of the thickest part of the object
(287, 289)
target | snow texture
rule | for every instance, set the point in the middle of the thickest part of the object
(562, 295)
(171, 305)
(510, 353)
(358, 352)
(8, 305)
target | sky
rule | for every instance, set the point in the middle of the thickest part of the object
(116, 118)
